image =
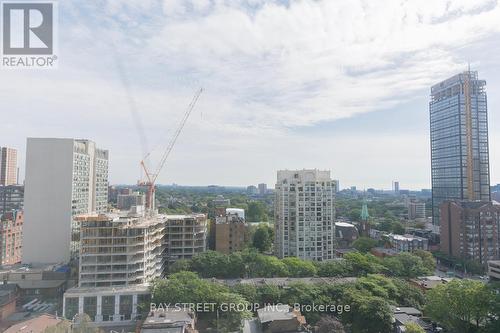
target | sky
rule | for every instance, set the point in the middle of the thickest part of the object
(338, 85)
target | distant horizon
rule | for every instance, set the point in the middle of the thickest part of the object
(272, 188)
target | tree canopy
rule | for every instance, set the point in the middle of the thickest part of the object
(263, 238)
(462, 306)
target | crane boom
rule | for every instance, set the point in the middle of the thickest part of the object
(177, 133)
(151, 177)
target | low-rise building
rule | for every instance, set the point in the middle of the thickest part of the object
(494, 270)
(11, 198)
(11, 237)
(44, 282)
(276, 319)
(8, 298)
(112, 305)
(345, 234)
(175, 320)
(231, 231)
(408, 243)
(383, 252)
(35, 325)
(405, 315)
(426, 283)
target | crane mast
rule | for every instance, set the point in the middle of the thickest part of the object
(151, 177)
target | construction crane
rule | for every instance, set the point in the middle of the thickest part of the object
(151, 177)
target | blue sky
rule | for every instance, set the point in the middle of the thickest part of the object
(338, 85)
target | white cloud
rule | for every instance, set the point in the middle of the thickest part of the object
(267, 68)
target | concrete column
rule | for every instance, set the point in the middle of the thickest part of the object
(80, 305)
(134, 306)
(98, 316)
(116, 316)
(64, 307)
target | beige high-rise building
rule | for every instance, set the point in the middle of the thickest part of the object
(8, 166)
(305, 214)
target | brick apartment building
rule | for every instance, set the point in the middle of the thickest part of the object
(11, 237)
(470, 230)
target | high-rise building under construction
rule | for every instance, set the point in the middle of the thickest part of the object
(459, 140)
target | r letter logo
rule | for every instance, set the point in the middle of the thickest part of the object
(28, 29)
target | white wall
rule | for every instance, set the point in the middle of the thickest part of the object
(47, 200)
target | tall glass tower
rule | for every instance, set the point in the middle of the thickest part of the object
(459, 141)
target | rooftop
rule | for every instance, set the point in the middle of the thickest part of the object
(344, 224)
(275, 312)
(170, 317)
(139, 288)
(284, 281)
(406, 237)
(39, 284)
(35, 325)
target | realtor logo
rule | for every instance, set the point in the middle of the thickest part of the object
(28, 34)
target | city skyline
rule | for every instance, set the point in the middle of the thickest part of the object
(356, 105)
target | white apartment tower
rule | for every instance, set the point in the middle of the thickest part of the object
(64, 178)
(305, 214)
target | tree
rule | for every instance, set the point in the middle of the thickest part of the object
(385, 225)
(211, 264)
(368, 314)
(179, 266)
(269, 294)
(263, 238)
(333, 268)
(230, 318)
(248, 291)
(462, 306)
(299, 268)
(256, 212)
(406, 265)
(329, 324)
(267, 266)
(378, 285)
(62, 327)
(408, 294)
(398, 228)
(412, 327)
(187, 287)
(363, 264)
(364, 244)
(427, 259)
(354, 214)
(494, 322)
(305, 294)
